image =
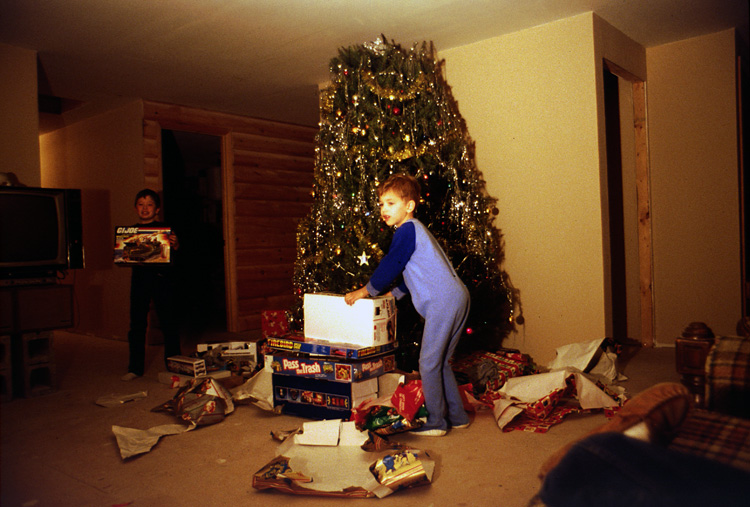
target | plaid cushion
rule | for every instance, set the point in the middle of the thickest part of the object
(728, 376)
(715, 436)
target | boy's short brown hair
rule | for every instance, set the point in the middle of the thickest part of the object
(404, 185)
(147, 192)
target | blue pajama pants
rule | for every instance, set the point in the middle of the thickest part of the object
(443, 327)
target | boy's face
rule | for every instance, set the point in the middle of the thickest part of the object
(394, 210)
(146, 209)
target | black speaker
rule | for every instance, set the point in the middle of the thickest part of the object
(74, 228)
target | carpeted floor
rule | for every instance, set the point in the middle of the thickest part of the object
(59, 450)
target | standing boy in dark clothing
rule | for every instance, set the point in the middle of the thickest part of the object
(149, 283)
(438, 295)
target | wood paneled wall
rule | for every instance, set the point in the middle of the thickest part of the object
(267, 173)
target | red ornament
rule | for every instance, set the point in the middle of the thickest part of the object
(469, 330)
(397, 111)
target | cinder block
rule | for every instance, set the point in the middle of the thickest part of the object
(37, 348)
(6, 385)
(5, 352)
(38, 379)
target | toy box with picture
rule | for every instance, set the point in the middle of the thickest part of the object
(142, 245)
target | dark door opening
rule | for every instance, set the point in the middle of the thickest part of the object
(191, 171)
(618, 274)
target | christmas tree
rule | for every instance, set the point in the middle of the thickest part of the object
(388, 110)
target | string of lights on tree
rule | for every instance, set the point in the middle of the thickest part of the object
(388, 110)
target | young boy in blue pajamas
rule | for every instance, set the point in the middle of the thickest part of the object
(438, 295)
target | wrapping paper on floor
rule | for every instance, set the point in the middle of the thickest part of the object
(398, 412)
(488, 371)
(132, 442)
(115, 400)
(536, 402)
(312, 465)
(596, 357)
(257, 390)
(202, 401)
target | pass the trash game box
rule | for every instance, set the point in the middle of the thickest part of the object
(331, 369)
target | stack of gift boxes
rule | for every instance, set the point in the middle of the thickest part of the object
(336, 363)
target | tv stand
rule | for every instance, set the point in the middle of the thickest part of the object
(27, 313)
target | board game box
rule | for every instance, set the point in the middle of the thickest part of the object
(331, 369)
(320, 399)
(299, 344)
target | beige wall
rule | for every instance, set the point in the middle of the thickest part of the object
(694, 170)
(530, 103)
(533, 103)
(103, 156)
(19, 114)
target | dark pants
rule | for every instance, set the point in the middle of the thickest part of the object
(146, 285)
(610, 469)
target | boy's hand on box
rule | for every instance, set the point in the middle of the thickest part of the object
(354, 296)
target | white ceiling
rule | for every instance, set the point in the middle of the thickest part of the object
(265, 58)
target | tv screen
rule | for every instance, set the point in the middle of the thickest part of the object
(39, 231)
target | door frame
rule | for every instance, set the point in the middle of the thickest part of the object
(643, 196)
(155, 118)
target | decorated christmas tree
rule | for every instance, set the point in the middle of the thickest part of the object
(388, 110)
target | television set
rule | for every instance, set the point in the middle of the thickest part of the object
(40, 232)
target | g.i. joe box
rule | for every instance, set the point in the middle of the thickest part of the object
(298, 344)
(142, 245)
(320, 399)
(329, 369)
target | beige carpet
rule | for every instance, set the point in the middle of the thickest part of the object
(59, 450)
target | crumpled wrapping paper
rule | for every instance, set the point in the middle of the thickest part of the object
(201, 402)
(595, 357)
(132, 441)
(257, 390)
(540, 396)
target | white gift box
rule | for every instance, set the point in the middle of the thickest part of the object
(368, 322)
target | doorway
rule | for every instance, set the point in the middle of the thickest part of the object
(192, 188)
(630, 311)
(616, 210)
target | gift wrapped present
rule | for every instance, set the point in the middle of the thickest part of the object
(274, 323)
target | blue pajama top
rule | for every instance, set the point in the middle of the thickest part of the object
(427, 272)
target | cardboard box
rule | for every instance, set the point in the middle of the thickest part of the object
(368, 322)
(142, 245)
(237, 356)
(178, 380)
(330, 369)
(300, 344)
(186, 365)
(320, 399)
